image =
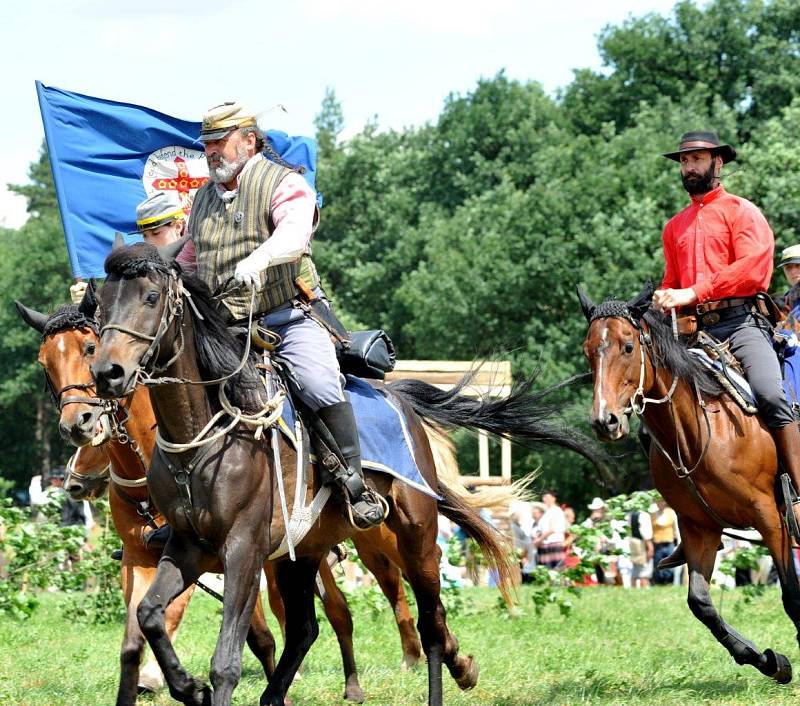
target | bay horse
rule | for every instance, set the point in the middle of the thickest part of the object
(65, 355)
(714, 464)
(221, 507)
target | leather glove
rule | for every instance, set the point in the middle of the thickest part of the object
(76, 291)
(248, 270)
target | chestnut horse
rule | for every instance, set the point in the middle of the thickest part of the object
(713, 463)
(218, 492)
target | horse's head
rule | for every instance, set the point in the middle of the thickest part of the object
(88, 473)
(140, 304)
(613, 347)
(69, 342)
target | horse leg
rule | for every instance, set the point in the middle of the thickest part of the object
(776, 538)
(341, 620)
(296, 583)
(416, 540)
(179, 567)
(701, 550)
(274, 597)
(242, 564)
(390, 580)
(260, 639)
(150, 676)
(135, 581)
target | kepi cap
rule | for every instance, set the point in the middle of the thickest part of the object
(159, 209)
(223, 119)
(702, 140)
(790, 256)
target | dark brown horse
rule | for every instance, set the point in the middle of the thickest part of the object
(221, 497)
(714, 464)
(64, 358)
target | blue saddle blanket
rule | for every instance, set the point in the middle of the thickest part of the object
(737, 381)
(386, 444)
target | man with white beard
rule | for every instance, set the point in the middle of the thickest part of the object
(253, 222)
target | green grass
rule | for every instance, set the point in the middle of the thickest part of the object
(618, 647)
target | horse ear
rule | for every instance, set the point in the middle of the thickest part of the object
(119, 242)
(31, 317)
(642, 301)
(88, 305)
(587, 305)
(172, 250)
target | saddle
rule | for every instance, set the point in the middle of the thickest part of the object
(716, 356)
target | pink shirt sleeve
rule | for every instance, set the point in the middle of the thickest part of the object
(187, 258)
(292, 207)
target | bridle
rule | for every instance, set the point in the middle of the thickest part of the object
(639, 402)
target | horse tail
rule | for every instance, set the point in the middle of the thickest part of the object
(489, 497)
(496, 549)
(522, 417)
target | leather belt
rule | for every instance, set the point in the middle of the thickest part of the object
(705, 307)
(710, 318)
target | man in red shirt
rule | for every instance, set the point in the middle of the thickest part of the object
(718, 253)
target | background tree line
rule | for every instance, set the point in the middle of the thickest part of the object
(466, 237)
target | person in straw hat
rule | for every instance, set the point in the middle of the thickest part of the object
(718, 253)
(252, 223)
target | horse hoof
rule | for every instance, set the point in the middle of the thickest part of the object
(410, 661)
(469, 677)
(354, 694)
(778, 667)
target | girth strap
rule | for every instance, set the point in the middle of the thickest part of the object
(182, 475)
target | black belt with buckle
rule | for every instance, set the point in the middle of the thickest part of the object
(717, 316)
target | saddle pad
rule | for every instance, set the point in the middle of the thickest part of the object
(737, 386)
(386, 444)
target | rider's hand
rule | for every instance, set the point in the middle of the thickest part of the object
(248, 271)
(76, 291)
(666, 299)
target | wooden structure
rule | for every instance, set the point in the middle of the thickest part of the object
(492, 378)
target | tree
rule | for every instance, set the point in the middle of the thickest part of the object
(329, 123)
(34, 270)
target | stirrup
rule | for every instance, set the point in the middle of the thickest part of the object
(790, 499)
(677, 558)
(157, 539)
(373, 511)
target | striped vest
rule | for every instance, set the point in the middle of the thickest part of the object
(224, 234)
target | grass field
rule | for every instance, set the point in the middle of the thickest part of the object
(618, 647)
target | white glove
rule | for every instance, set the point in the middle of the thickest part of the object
(76, 291)
(248, 270)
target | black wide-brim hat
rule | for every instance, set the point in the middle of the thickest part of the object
(702, 140)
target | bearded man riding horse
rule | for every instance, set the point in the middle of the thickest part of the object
(718, 255)
(253, 222)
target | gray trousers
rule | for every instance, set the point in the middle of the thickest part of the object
(751, 345)
(309, 349)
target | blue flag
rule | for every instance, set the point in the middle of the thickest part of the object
(107, 157)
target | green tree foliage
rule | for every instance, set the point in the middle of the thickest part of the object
(33, 270)
(329, 123)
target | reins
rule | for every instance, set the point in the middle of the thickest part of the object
(638, 408)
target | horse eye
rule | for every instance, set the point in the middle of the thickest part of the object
(152, 298)
(90, 348)
(628, 347)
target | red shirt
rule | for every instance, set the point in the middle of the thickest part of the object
(721, 246)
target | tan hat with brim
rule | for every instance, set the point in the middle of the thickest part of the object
(223, 119)
(790, 256)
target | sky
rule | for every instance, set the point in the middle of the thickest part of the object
(393, 62)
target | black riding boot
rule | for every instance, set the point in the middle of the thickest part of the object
(368, 510)
(787, 441)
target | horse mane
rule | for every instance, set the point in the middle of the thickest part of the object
(674, 356)
(219, 352)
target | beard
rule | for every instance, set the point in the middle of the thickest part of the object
(225, 170)
(699, 184)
